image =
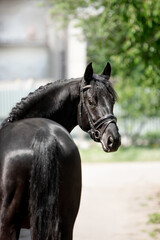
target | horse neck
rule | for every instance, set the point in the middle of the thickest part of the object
(59, 104)
(66, 104)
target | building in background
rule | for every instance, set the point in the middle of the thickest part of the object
(23, 41)
(34, 51)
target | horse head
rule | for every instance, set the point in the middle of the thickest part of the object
(95, 110)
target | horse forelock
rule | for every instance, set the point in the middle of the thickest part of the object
(101, 85)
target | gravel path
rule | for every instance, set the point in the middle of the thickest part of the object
(116, 201)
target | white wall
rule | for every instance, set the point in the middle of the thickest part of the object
(76, 52)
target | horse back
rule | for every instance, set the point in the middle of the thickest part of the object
(17, 142)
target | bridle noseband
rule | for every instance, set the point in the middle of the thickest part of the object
(94, 133)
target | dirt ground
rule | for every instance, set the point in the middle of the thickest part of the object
(117, 199)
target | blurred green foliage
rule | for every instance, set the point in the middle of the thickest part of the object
(126, 33)
(151, 139)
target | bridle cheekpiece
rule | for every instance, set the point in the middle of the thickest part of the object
(94, 131)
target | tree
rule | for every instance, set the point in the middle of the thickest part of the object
(126, 33)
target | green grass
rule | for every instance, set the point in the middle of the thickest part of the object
(154, 218)
(95, 153)
(153, 234)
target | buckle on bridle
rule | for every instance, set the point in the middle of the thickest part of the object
(95, 135)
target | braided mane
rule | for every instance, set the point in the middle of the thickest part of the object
(18, 112)
(26, 107)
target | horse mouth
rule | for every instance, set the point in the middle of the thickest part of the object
(105, 147)
(110, 145)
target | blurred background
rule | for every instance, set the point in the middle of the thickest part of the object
(43, 41)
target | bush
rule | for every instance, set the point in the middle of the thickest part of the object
(151, 139)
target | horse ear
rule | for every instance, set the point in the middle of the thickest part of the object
(88, 73)
(107, 70)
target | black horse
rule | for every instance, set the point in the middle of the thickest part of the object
(40, 169)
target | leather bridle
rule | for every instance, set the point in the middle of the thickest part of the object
(94, 131)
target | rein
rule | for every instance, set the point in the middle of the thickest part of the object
(94, 133)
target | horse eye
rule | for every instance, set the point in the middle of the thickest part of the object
(90, 101)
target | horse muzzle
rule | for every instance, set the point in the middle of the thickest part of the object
(110, 140)
(105, 130)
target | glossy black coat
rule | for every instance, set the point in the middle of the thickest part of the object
(19, 146)
(40, 170)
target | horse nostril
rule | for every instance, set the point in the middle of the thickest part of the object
(110, 142)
